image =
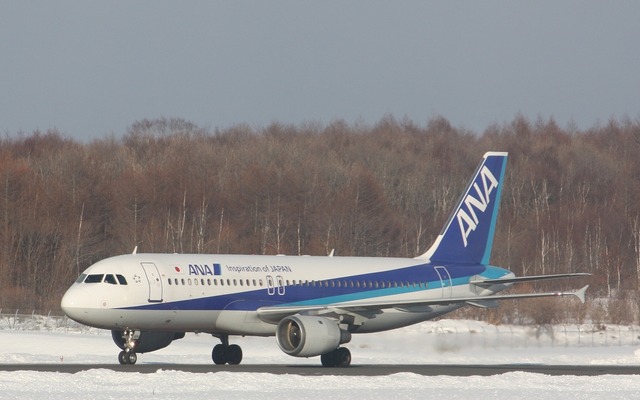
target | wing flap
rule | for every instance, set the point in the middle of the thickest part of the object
(519, 279)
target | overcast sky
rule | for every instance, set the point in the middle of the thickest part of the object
(91, 69)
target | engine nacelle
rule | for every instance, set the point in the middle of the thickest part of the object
(309, 336)
(147, 341)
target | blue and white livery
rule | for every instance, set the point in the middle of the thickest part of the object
(312, 305)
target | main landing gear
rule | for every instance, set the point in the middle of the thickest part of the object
(340, 357)
(225, 353)
(128, 356)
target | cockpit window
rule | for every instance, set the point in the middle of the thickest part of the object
(94, 278)
(121, 279)
(110, 279)
(81, 278)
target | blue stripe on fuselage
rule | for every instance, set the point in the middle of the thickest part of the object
(320, 295)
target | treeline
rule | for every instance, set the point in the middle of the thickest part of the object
(571, 201)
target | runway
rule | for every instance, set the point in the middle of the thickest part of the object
(354, 370)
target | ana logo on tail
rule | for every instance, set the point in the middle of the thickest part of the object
(474, 217)
(467, 218)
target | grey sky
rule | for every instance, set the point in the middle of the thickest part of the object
(93, 68)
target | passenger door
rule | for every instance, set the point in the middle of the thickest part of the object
(154, 280)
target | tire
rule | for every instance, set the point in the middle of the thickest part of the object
(328, 360)
(340, 357)
(234, 354)
(123, 358)
(343, 357)
(218, 355)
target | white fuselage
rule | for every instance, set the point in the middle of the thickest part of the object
(221, 294)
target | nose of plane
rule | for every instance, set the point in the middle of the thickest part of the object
(71, 306)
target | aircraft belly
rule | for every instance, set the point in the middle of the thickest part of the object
(163, 320)
(398, 318)
(237, 322)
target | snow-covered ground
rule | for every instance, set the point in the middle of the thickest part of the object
(445, 342)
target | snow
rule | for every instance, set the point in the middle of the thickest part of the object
(439, 342)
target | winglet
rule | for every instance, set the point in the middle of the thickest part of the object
(581, 293)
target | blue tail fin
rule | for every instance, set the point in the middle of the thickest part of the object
(467, 236)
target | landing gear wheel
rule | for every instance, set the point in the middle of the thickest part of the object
(123, 358)
(340, 357)
(226, 354)
(234, 354)
(218, 355)
(127, 358)
(344, 357)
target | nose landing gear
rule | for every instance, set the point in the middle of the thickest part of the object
(128, 356)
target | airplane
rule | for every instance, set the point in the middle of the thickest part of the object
(311, 304)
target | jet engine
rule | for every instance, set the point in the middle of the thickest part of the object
(309, 336)
(146, 342)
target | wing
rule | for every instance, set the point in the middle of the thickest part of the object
(366, 310)
(518, 279)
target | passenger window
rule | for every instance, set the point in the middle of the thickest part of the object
(169, 281)
(94, 278)
(121, 279)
